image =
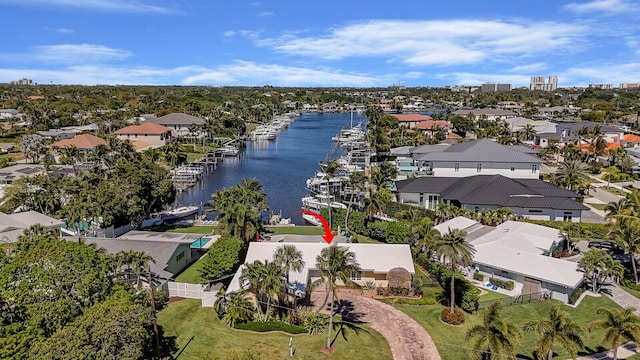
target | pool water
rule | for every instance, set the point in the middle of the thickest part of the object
(200, 243)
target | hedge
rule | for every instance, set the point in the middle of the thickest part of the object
(505, 284)
(587, 230)
(266, 326)
(392, 208)
(478, 276)
(467, 294)
(455, 318)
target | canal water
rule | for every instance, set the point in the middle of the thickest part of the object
(281, 165)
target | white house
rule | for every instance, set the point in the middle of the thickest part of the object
(520, 252)
(479, 157)
(375, 260)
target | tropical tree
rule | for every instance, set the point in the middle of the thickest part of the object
(373, 205)
(615, 209)
(626, 232)
(572, 173)
(558, 327)
(619, 325)
(336, 263)
(453, 247)
(140, 262)
(32, 146)
(290, 258)
(598, 265)
(266, 280)
(234, 307)
(495, 337)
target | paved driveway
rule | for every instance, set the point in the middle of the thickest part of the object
(407, 339)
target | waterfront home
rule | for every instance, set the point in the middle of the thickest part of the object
(183, 125)
(411, 120)
(375, 260)
(477, 157)
(529, 198)
(486, 114)
(520, 252)
(172, 252)
(149, 135)
(14, 225)
(82, 142)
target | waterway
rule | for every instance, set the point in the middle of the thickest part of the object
(281, 165)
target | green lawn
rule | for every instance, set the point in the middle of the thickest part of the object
(191, 274)
(204, 229)
(449, 339)
(296, 230)
(613, 190)
(599, 206)
(200, 335)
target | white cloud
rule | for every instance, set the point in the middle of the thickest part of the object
(468, 78)
(611, 73)
(64, 30)
(600, 6)
(266, 14)
(106, 5)
(73, 53)
(433, 42)
(250, 73)
(529, 68)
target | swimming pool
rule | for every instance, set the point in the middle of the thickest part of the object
(200, 243)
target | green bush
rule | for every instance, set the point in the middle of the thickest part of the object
(392, 208)
(574, 297)
(467, 294)
(315, 323)
(222, 258)
(377, 230)
(478, 276)
(585, 230)
(260, 326)
(398, 234)
(505, 284)
(428, 300)
(455, 318)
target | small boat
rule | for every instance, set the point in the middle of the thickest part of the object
(229, 150)
(179, 212)
(315, 203)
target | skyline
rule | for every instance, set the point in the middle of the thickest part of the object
(328, 44)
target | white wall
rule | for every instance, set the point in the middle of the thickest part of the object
(520, 170)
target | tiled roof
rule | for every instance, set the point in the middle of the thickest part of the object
(178, 119)
(433, 125)
(480, 150)
(146, 128)
(84, 141)
(411, 117)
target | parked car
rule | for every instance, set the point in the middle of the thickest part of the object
(607, 245)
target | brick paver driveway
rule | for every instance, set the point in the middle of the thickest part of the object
(407, 339)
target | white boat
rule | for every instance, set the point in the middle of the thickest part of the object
(315, 203)
(179, 212)
(229, 150)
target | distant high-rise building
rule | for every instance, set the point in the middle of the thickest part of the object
(23, 81)
(538, 83)
(601, 86)
(493, 87)
(629, 85)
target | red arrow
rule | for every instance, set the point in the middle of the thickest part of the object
(328, 236)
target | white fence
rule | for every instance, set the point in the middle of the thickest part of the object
(206, 293)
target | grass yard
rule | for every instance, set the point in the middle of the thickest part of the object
(200, 335)
(614, 191)
(599, 206)
(296, 230)
(449, 339)
(204, 229)
(191, 274)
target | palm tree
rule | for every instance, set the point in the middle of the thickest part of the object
(336, 263)
(140, 261)
(458, 251)
(598, 265)
(426, 235)
(373, 205)
(627, 233)
(558, 327)
(234, 307)
(571, 173)
(619, 325)
(290, 258)
(618, 208)
(495, 336)
(266, 280)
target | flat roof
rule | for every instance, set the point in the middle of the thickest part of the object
(155, 236)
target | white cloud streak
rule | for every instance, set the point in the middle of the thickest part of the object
(602, 6)
(69, 54)
(103, 5)
(439, 43)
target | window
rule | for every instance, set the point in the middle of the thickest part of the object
(180, 256)
(456, 167)
(534, 168)
(513, 168)
(479, 168)
(568, 216)
(356, 276)
(535, 211)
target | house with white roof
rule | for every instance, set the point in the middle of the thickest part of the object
(12, 226)
(375, 260)
(520, 252)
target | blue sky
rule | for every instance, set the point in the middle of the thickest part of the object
(319, 43)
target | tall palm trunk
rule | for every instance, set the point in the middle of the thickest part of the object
(453, 288)
(266, 313)
(634, 266)
(330, 321)
(550, 354)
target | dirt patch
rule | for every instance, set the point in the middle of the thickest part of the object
(174, 299)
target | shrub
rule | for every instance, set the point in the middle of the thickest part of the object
(315, 323)
(369, 285)
(383, 291)
(399, 277)
(265, 326)
(576, 295)
(399, 291)
(392, 208)
(398, 233)
(455, 318)
(429, 300)
(377, 230)
(478, 276)
(505, 284)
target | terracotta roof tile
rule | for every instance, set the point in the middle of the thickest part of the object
(146, 128)
(84, 141)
